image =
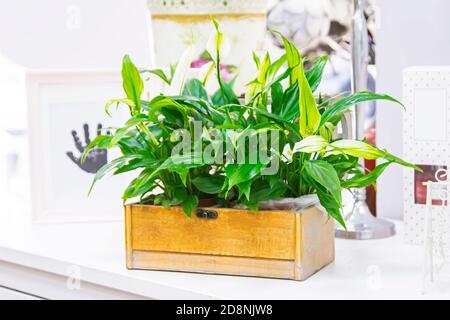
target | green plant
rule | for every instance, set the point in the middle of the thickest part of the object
(279, 102)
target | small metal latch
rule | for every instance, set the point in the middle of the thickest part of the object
(200, 213)
(206, 214)
(212, 214)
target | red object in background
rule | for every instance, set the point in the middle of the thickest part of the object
(371, 194)
(225, 72)
(420, 191)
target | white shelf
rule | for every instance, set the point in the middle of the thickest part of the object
(36, 259)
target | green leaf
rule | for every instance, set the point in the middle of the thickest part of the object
(343, 104)
(136, 164)
(276, 93)
(328, 201)
(195, 88)
(310, 144)
(100, 141)
(244, 188)
(225, 95)
(118, 135)
(256, 59)
(111, 166)
(391, 157)
(130, 104)
(137, 189)
(159, 102)
(289, 109)
(135, 143)
(179, 195)
(336, 215)
(180, 164)
(334, 212)
(279, 78)
(309, 113)
(361, 180)
(137, 119)
(355, 148)
(132, 82)
(189, 204)
(343, 164)
(325, 175)
(238, 173)
(255, 91)
(145, 178)
(327, 130)
(259, 111)
(264, 191)
(203, 108)
(276, 66)
(123, 132)
(209, 184)
(174, 112)
(159, 199)
(263, 68)
(292, 55)
(314, 74)
(160, 73)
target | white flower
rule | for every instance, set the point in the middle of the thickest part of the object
(181, 71)
(287, 153)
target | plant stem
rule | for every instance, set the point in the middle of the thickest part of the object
(149, 134)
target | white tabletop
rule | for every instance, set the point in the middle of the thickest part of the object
(376, 269)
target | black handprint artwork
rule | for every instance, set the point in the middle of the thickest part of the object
(95, 159)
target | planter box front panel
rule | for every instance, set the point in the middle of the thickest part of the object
(233, 233)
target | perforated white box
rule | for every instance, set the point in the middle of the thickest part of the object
(426, 139)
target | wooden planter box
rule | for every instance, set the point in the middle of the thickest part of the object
(275, 244)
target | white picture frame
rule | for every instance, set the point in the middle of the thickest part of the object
(58, 103)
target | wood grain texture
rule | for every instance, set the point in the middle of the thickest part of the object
(316, 242)
(128, 233)
(213, 264)
(280, 244)
(298, 247)
(240, 233)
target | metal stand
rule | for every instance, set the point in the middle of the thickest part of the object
(360, 222)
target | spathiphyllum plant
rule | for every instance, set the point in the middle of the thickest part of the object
(277, 142)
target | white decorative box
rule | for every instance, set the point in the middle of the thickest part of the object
(426, 140)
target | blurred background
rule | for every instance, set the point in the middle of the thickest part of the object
(83, 34)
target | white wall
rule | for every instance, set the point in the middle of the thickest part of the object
(412, 32)
(67, 34)
(51, 33)
(59, 34)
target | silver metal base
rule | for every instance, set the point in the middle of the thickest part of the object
(361, 224)
(377, 229)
